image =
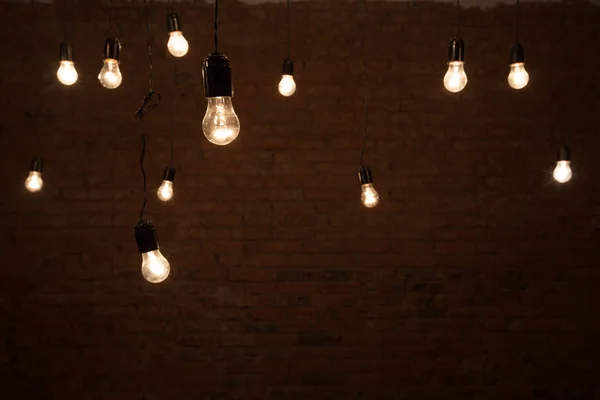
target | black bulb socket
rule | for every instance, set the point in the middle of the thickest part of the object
(216, 73)
(517, 53)
(173, 23)
(145, 237)
(456, 50)
(364, 175)
(36, 165)
(66, 52)
(564, 153)
(288, 67)
(112, 49)
(169, 174)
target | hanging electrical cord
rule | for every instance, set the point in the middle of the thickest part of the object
(289, 31)
(216, 27)
(287, 86)
(458, 21)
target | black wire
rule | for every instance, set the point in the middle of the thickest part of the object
(458, 23)
(518, 19)
(172, 119)
(171, 5)
(366, 85)
(289, 32)
(216, 25)
(65, 19)
(111, 16)
(148, 44)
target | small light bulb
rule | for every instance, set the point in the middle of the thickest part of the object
(287, 86)
(369, 196)
(178, 46)
(34, 181)
(110, 75)
(518, 76)
(455, 79)
(67, 74)
(165, 191)
(562, 172)
(155, 267)
(220, 124)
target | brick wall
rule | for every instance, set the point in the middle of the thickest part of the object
(475, 278)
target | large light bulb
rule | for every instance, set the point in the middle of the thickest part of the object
(165, 191)
(67, 74)
(34, 181)
(110, 75)
(562, 172)
(178, 46)
(220, 124)
(369, 196)
(518, 76)
(455, 79)
(155, 267)
(287, 86)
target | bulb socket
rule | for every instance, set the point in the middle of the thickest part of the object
(145, 237)
(173, 23)
(288, 67)
(517, 53)
(364, 175)
(456, 50)
(169, 174)
(36, 165)
(216, 73)
(66, 52)
(112, 49)
(564, 153)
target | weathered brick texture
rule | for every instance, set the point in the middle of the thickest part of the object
(475, 278)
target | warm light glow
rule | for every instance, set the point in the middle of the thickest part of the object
(518, 76)
(455, 79)
(34, 181)
(562, 172)
(155, 267)
(369, 196)
(67, 74)
(165, 191)
(177, 45)
(220, 124)
(287, 86)
(110, 75)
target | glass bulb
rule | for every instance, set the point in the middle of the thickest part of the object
(518, 76)
(34, 181)
(155, 267)
(165, 191)
(177, 45)
(110, 75)
(369, 196)
(562, 172)
(455, 79)
(287, 86)
(220, 124)
(67, 74)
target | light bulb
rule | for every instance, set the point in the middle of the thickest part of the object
(34, 181)
(562, 172)
(287, 86)
(369, 196)
(165, 191)
(67, 74)
(220, 124)
(155, 267)
(518, 76)
(455, 79)
(178, 46)
(110, 75)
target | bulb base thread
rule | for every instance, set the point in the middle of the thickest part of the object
(216, 73)
(517, 53)
(364, 175)
(288, 67)
(169, 174)
(66, 52)
(36, 165)
(145, 236)
(456, 50)
(112, 49)
(564, 153)
(173, 23)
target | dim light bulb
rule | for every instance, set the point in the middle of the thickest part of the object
(369, 196)
(287, 86)
(67, 74)
(562, 172)
(455, 79)
(220, 124)
(518, 76)
(155, 267)
(165, 191)
(110, 75)
(34, 181)
(178, 46)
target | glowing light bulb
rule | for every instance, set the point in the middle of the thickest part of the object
(455, 79)
(110, 75)
(369, 196)
(178, 46)
(287, 86)
(67, 74)
(220, 124)
(562, 172)
(34, 181)
(155, 267)
(165, 191)
(518, 76)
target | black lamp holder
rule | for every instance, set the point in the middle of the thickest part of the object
(112, 49)
(169, 174)
(66, 52)
(216, 72)
(364, 175)
(456, 50)
(517, 53)
(145, 237)
(288, 67)
(36, 165)
(564, 153)
(173, 23)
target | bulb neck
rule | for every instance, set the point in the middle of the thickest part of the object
(66, 52)
(564, 153)
(112, 49)
(36, 165)
(169, 174)
(364, 175)
(173, 23)
(145, 237)
(517, 53)
(288, 67)
(216, 73)
(456, 50)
